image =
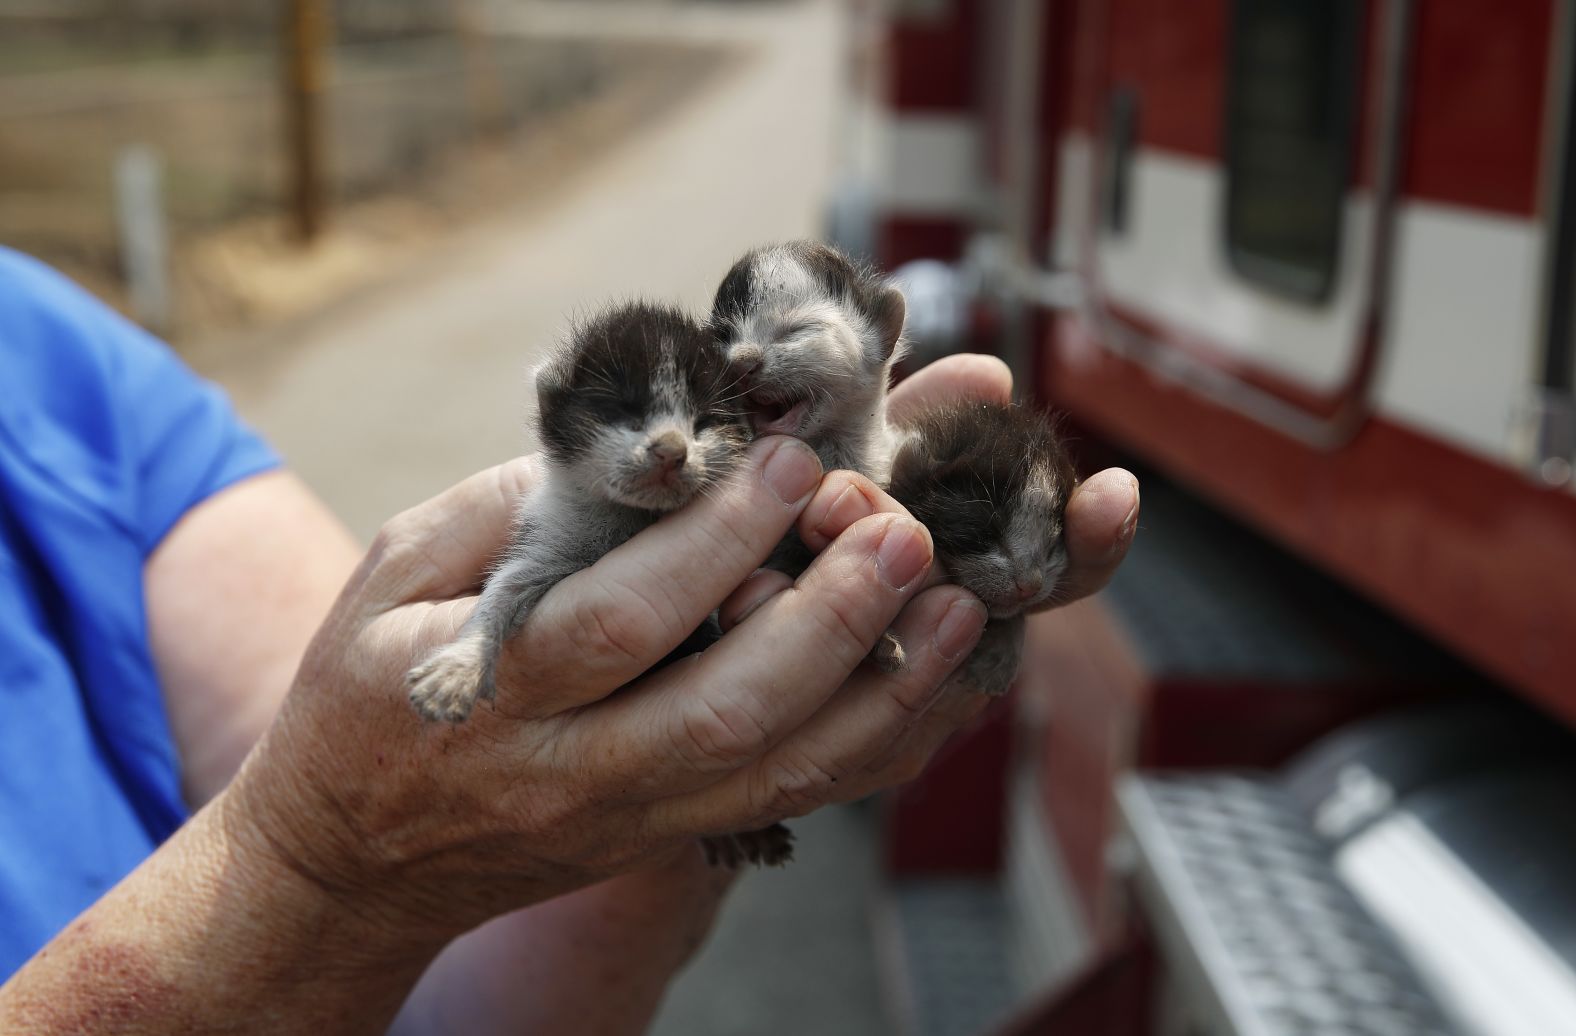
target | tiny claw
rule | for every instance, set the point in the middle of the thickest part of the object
(888, 654)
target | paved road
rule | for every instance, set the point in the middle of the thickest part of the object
(403, 390)
(385, 400)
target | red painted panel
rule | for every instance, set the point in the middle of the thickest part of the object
(1175, 56)
(934, 61)
(1370, 97)
(1084, 98)
(1052, 103)
(1476, 103)
(1202, 724)
(1469, 551)
(949, 820)
(1478, 91)
(902, 238)
(1118, 995)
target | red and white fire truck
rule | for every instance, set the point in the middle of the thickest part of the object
(1309, 267)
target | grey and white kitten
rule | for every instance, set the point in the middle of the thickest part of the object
(637, 415)
(991, 483)
(813, 336)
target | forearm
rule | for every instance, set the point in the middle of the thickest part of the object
(595, 962)
(212, 935)
(234, 594)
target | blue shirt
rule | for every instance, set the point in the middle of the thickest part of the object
(106, 440)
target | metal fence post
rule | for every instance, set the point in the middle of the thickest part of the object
(144, 249)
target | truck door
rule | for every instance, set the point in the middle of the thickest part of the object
(1241, 189)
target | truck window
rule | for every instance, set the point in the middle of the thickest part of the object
(1289, 125)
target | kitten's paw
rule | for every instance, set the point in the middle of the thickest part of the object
(992, 681)
(769, 847)
(723, 851)
(445, 687)
(888, 654)
(993, 664)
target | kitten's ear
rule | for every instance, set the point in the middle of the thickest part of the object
(889, 313)
(954, 468)
(551, 375)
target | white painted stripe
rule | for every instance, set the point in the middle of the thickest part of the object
(1074, 194)
(1492, 972)
(933, 166)
(1458, 350)
(1171, 264)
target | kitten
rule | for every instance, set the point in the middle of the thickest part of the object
(637, 414)
(991, 483)
(813, 336)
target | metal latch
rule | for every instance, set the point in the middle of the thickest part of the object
(1545, 436)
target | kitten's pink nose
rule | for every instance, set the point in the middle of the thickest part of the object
(1028, 586)
(669, 449)
(746, 359)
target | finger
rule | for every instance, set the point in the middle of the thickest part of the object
(693, 724)
(964, 376)
(843, 498)
(807, 769)
(606, 624)
(918, 749)
(908, 756)
(443, 547)
(1102, 517)
(761, 587)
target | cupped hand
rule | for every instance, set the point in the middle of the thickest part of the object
(590, 762)
(1101, 519)
(580, 769)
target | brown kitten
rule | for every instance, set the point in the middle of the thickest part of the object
(991, 483)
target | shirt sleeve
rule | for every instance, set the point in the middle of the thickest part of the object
(111, 412)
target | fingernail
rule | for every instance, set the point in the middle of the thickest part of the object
(850, 506)
(960, 629)
(791, 472)
(1129, 527)
(903, 554)
(1129, 524)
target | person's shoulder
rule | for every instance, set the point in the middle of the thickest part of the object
(58, 342)
(23, 276)
(105, 411)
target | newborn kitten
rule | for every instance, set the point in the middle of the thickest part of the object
(813, 336)
(991, 483)
(637, 415)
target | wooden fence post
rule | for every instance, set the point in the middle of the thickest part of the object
(306, 73)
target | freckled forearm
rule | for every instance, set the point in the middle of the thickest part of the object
(594, 963)
(206, 937)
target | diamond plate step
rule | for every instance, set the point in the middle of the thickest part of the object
(950, 951)
(1265, 937)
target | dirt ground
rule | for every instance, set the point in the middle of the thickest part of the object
(422, 136)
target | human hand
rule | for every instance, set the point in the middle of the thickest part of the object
(1101, 518)
(428, 830)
